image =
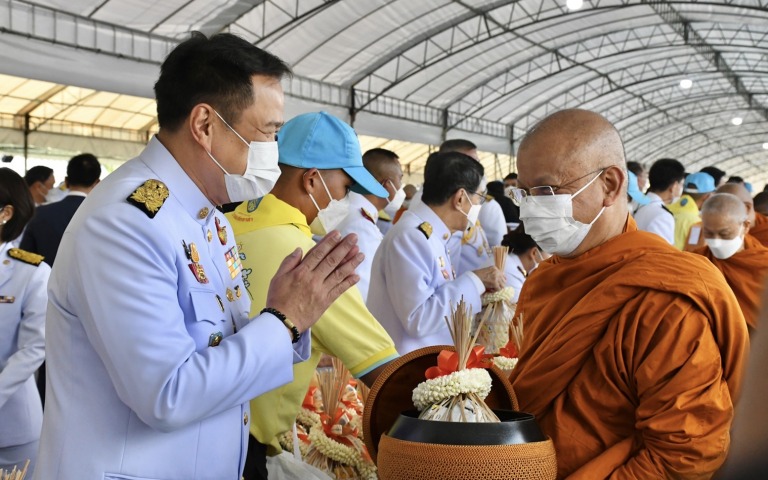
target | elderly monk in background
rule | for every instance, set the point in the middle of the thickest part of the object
(758, 223)
(633, 351)
(741, 257)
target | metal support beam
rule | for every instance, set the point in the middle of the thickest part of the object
(691, 37)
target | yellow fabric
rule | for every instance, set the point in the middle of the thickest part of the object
(265, 235)
(686, 214)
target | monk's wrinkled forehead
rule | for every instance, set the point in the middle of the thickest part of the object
(737, 190)
(567, 145)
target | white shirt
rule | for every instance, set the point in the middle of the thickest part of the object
(655, 218)
(492, 219)
(413, 284)
(362, 221)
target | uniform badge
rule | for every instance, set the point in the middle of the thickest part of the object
(198, 272)
(230, 295)
(25, 256)
(252, 205)
(426, 229)
(209, 235)
(234, 264)
(194, 254)
(149, 197)
(238, 291)
(222, 231)
(446, 275)
(441, 261)
(221, 302)
(215, 339)
(7, 299)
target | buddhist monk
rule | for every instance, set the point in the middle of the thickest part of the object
(742, 259)
(633, 351)
(757, 221)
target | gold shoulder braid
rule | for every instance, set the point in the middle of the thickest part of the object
(426, 229)
(149, 197)
(25, 256)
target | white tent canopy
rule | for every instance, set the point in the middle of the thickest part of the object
(433, 69)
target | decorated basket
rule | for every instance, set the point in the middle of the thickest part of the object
(406, 447)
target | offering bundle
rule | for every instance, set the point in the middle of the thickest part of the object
(329, 427)
(456, 387)
(506, 360)
(499, 309)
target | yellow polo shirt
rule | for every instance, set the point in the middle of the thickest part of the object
(686, 214)
(266, 232)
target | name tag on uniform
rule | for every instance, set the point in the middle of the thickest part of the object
(7, 299)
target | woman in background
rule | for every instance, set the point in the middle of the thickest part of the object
(524, 257)
(23, 301)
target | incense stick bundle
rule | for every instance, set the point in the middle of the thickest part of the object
(516, 332)
(15, 474)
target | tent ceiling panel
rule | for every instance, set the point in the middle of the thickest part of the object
(486, 69)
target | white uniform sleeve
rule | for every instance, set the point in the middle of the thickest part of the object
(30, 350)
(131, 314)
(409, 272)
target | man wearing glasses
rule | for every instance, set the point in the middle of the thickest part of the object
(633, 352)
(413, 281)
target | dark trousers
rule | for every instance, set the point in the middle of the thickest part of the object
(255, 460)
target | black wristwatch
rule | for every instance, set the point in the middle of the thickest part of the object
(288, 324)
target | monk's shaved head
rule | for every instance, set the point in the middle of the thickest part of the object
(566, 151)
(582, 139)
(726, 205)
(742, 194)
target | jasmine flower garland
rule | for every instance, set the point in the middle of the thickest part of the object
(437, 390)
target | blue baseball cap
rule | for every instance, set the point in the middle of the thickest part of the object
(634, 191)
(699, 182)
(320, 140)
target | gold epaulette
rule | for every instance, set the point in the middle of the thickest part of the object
(149, 197)
(25, 256)
(426, 229)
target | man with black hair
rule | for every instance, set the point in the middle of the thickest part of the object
(40, 181)
(364, 208)
(510, 180)
(44, 232)
(716, 173)
(152, 356)
(666, 177)
(413, 282)
(471, 247)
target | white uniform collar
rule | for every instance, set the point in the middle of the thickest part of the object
(180, 186)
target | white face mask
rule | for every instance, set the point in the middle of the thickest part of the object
(261, 171)
(474, 212)
(397, 201)
(548, 219)
(331, 216)
(723, 249)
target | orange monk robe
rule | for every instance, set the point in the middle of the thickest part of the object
(760, 229)
(632, 357)
(745, 272)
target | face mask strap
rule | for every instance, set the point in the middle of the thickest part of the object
(217, 163)
(230, 127)
(588, 183)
